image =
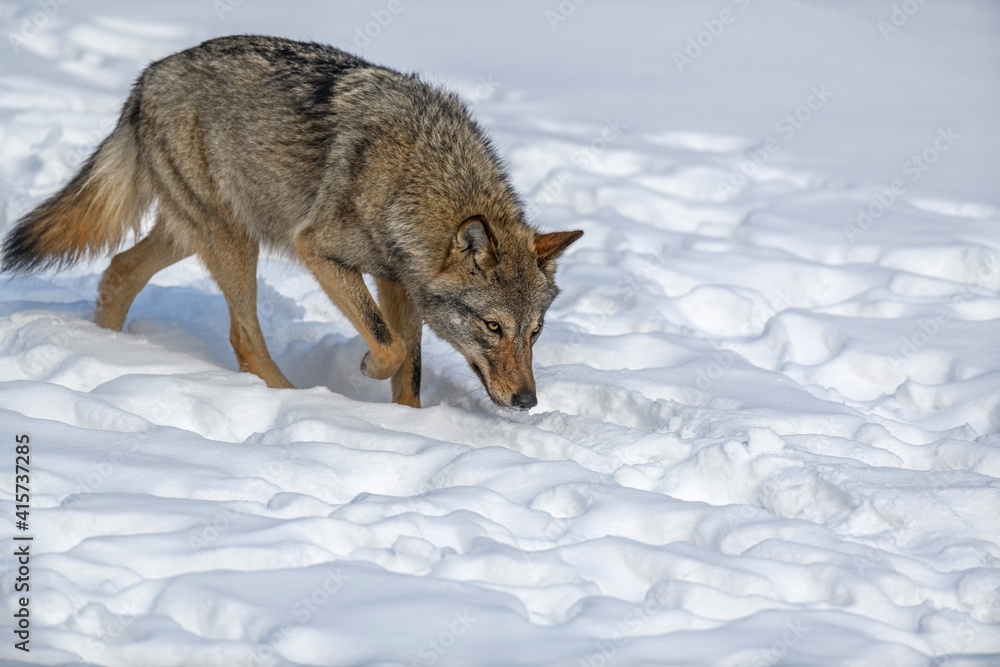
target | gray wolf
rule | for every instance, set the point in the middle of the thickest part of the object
(246, 142)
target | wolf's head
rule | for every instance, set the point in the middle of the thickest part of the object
(489, 302)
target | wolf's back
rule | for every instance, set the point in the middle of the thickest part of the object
(270, 132)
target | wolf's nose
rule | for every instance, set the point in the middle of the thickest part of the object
(524, 399)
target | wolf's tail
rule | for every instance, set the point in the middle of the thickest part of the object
(93, 213)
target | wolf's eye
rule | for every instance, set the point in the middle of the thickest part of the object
(493, 326)
(538, 327)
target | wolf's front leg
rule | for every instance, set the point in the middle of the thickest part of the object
(347, 290)
(398, 310)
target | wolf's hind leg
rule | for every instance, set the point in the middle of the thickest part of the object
(399, 312)
(129, 272)
(231, 258)
(347, 290)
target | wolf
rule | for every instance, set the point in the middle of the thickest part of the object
(250, 142)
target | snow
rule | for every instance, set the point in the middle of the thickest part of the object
(768, 417)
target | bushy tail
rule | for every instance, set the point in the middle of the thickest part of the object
(89, 216)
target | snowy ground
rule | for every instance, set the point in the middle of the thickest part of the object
(768, 426)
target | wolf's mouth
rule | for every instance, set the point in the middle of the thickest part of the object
(482, 378)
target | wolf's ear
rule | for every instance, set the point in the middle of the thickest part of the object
(548, 247)
(473, 246)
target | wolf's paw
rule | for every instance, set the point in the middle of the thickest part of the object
(381, 370)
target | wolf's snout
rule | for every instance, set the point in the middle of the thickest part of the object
(524, 399)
